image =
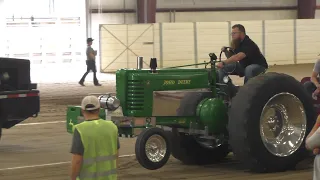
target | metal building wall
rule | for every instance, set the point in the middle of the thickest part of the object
(197, 10)
(124, 11)
(317, 13)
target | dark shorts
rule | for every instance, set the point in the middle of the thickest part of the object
(91, 65)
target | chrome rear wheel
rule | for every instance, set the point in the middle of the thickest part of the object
(283, 124)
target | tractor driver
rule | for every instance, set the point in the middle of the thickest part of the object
(247, 61)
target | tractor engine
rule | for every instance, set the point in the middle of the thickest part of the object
(212, 114)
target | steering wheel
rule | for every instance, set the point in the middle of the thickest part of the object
(230, 49)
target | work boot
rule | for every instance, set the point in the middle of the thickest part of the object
(81, 83)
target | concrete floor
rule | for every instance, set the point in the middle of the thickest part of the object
(41, 151)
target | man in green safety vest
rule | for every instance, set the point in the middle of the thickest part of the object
(95, 145)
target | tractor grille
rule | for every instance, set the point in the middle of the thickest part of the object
(135, 95)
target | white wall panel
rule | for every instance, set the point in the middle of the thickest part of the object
(121, 44)
(130, 18)
(112, 18)
(317, 15)
(282, 41)
(253, 29)
(279, 42)
(164, 17)
(178, 43)
(210, 38)
(308, 40)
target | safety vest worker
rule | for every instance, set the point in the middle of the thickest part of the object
(95, 145)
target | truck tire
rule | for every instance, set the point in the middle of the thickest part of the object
(187, 150)
(248, 130)
(185, 147)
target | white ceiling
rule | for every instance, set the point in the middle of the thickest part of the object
(131, 4)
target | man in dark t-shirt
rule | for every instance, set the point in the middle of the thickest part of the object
(247, 59)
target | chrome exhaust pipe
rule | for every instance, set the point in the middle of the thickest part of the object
(139, 62)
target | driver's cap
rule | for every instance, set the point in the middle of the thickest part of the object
(90, 103)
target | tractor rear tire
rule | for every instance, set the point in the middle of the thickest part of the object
(1, 131)
(186, 149)
(245, 135)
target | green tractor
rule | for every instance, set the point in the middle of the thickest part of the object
(188, 114)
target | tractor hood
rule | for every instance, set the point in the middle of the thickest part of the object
(135, 88)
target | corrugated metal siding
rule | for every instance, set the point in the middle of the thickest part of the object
(131, 4)
(114, 4)
(232, 16)
(223, 3)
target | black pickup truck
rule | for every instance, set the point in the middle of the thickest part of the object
(19, 98)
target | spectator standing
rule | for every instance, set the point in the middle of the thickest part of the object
(91, 64)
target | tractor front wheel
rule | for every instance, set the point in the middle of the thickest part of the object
(152, 148)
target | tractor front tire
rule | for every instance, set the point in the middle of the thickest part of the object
(262, 141)
(152, 148)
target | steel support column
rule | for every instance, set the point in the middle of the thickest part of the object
(88, 18)
(306, 9)
(146, 11)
